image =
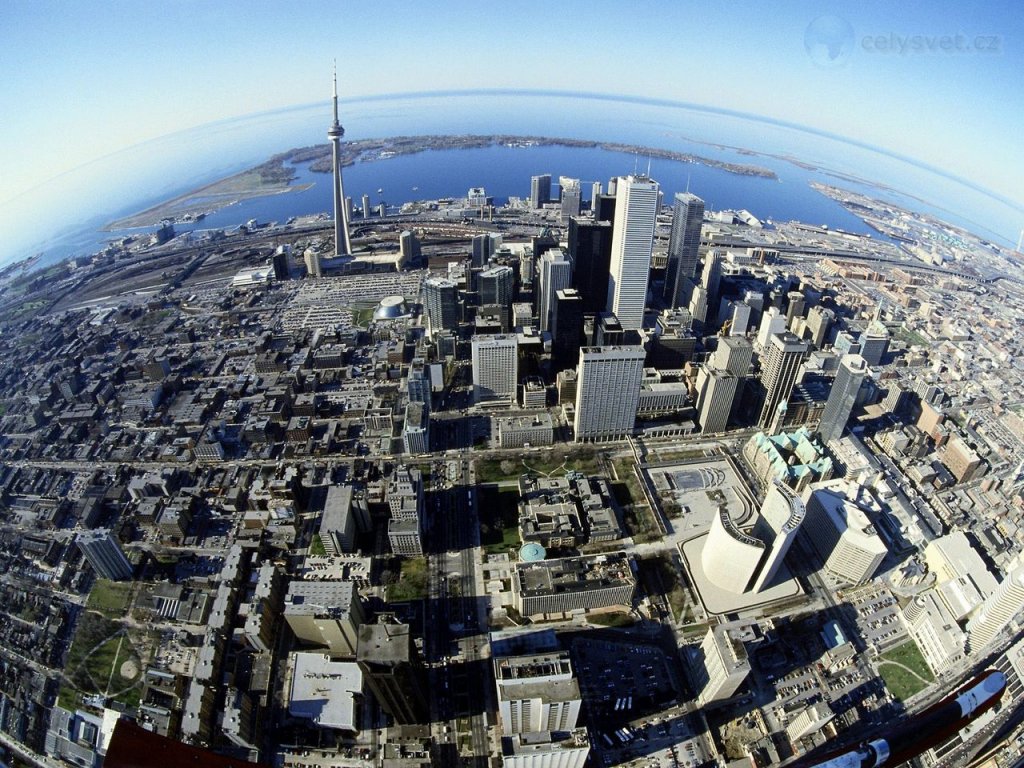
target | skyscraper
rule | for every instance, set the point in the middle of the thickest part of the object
(555, 274)
(782, 513)
(590, 250)
(570, 197)
(393, 671)
(874, 342)
(607, 392)
(418, 382)
(683, 247)
(342, 244)
(711, 278)
(780, 365)
(441, 303)
(734, 354)
(537, 693)
(497, 286)
(636, 209)
(495, 368)
(725, 666)
(281, 271)
(772, 322)
(313, 266)
(819, 322)
(566, 329)
(540, 190)
(104, 554)
(1001, 609)
(842, 396)
(717, 389)
(796, 306)
(409, 246)
(481, 250)
(604, 207)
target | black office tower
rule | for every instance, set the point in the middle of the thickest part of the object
(393, 671)
(604, 208)
(590, 250)
(566, 329)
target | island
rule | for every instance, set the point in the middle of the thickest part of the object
(276, 175)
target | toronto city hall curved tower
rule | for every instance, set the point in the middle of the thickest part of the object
(342, 245)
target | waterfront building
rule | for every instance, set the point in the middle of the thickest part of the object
(570, 193)
(540, 190)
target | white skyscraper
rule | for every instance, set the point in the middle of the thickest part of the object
(537, 693)
(842, 533)
(636, 208)
(1000, 609)
(716, 392)
(725, 666)
(782, 514)
(555, 275)
(495, 371)
(772, 322)
(607, 391)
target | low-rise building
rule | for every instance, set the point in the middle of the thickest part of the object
(573, 584)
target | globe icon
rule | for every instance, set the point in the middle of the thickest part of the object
(829, 41)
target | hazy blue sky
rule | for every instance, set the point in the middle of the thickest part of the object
(84, 79)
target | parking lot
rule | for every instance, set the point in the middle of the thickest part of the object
(878, 617)
(619, 681)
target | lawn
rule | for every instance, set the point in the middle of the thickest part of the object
(679, 454)
(616, 619)
(316, 546)
(556, 462)
(911, 337)
(901, 683)
(412, 583)
(110, 598)
(499, 519)
(639, 516)
(363, 315)
(103, 659)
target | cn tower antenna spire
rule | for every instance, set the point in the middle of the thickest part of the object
(342, 242)
(335, 91)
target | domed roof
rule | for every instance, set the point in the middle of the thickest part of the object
(390, 307)
(532, 552)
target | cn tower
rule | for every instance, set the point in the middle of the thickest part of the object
(342, 245)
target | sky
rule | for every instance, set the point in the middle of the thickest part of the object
(938, 82)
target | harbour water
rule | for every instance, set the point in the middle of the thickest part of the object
(149, 173)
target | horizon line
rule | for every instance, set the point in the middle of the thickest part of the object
(556, 93)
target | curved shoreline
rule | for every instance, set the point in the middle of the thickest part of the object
(275, 176)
